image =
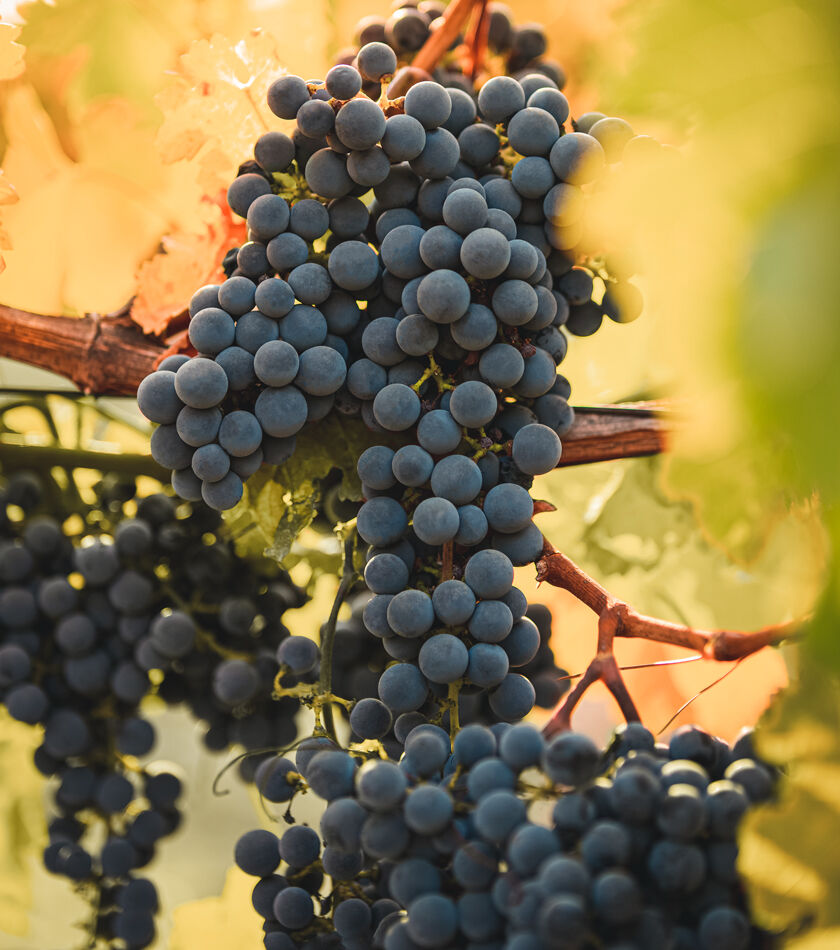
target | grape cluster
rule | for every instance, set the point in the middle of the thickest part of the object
(360, 660)
(511, 841)
(89, 621)
(401, 254)
(519, 50)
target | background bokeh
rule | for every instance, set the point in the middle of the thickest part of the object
(119, 124)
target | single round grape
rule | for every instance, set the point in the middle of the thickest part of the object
(376, 61)
(429, 103)
(240, 433)
(381, 521)
(439, 156)
(326, 174)
(370, 719)
(438, 432)
(536, 449)
(443, 658)
(404, 138)
(274, 151)
(198, 426)
(501, 365)
(499, 98)
(436, 521)
(577, 158)
(281, 412)
(210, 463)
(403, 688)
(360, 124)
(514, 302)
(456, 478)
(223, 494)
(488, 665)
(489, 574)
(368, 167)
(473, 404)
(158, 397)
(396, 407)
(244, 190)
(412, 466)
(552, 101)
(374, 467)
(485, 253)
(268, 216)
(353, 265)
(514, 698)
(501, 194)
(238, 365)
(286, 95)
(533, 131)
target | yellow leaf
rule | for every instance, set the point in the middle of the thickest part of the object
(215, 108)
(187, 261)
(22, 828)
(93, 220)
(219, 923)
(11, 53)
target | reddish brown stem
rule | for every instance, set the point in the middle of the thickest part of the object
(446, 562)
(598, 435)
(618, 619)
(105, 355)
(109, 355)
(438, 43)
(476, 39)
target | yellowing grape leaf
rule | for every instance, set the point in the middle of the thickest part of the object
(187, 260)
(791, 867)
(81, 228)
(218, 923)
(281, 501)
(22, 828)
(215, 109)
(11, 53)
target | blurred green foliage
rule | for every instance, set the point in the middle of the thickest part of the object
(749, 283)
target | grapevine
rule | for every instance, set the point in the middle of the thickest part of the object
(418, 262)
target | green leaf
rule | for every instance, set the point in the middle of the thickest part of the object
(279, 502)
(116, 47)
(787, 851)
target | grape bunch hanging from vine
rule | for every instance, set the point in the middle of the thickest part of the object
(418, 261)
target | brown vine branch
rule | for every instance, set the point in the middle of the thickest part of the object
(109, 356)
(438, 43)
(102, 355)
(618, 619)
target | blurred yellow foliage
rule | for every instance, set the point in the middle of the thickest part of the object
(22, 823)
(187, 260)
(219, 923)
(216, 109)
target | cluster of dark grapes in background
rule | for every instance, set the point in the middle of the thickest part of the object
(518, 50)
(93, 621)
(508, 840)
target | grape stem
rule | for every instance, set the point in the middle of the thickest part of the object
(109, 356)
(454, 18)
(476, 40)
(348, 578)
(618, 619)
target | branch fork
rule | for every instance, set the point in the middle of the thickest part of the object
(618, 619)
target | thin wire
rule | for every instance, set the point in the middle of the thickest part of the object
(641, 666)
(705, 689)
